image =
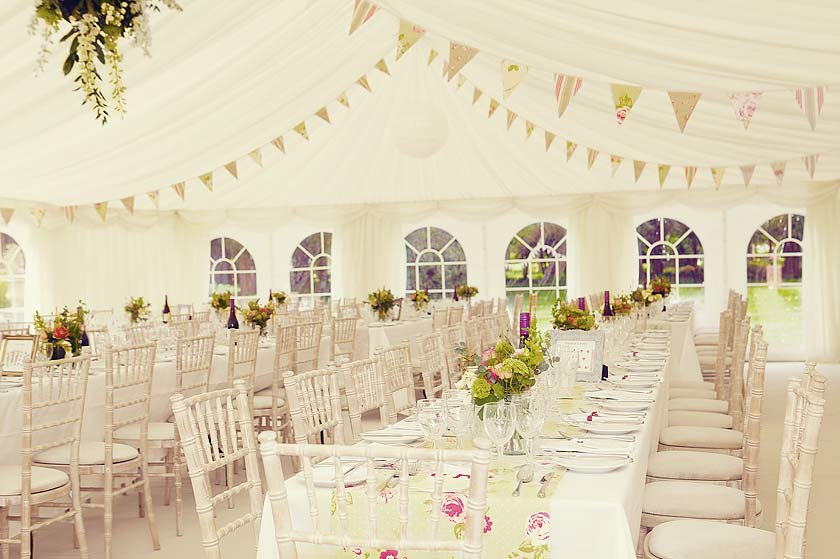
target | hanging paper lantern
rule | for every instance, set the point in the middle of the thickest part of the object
(419, 129)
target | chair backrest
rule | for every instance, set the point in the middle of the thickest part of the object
(800, 436)
(396, 364)
(736, 372)
(342, 338)
(140, 334)
(487, 307)
(201, 316)
(473, 335)
(474, 310)
(14, 331)
(488, 331)
(381, 521)
(315, 405)
(533, 299)
(193, 362)
(242, 356)
(216, 430)
(517, 309)
(309, 315)
(364, 385)
(308, 345)
(128, 392)
(433, 367)
(752, 432)
(184, 328)
(456, 315)
(440, 318)
(720, 360)
(101, 317)
(284, 360)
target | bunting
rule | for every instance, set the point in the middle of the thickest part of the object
(362, 11)
(180, 189)
(810, 101)
(102, 210)
(689, 176)
(663, 174)
(778, 169)
(476, 95)
(38, 214)
(154, 196)
(323, 114)
(207, 180)
(128, 204)
(363, 81)
(256, 156)
(511, 117)
(7, 214)
(744, 104)
(445, 68)
(432, 55)
(549, 138)
(512, 74)
(493, 106)
(70, 213)
(382, 67)
(747, 171)
(717, 175)
(591, 156)
(624, 99)
(615, 163)
(231, 168)
(811, 164)
(461, 81)
(278, 143)
(570, 149)
(301, 129)
(343, 99)
(529, 129)
(565, 87)
(459, 56)
(638, 167)
(683, 104)
(407, 36)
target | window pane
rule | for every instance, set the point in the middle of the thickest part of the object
(430, 276)
(662, 267)
(245, 262)
(791, 246)
(5, 295)
(691, 270)
(456, 274)
(760, 244)
(410, 255)
(649, 230)
(561, 272)
(300, 259)
(454, 253)
(798, 222)
(643, 248)
(232, 248)
(247, 284)
(417, 238)
(516, 274)
(644, 264)
(439, 237)
(553, 234)
(410, 280)
(779, 311)
(327, 243)
(312, 243)
(322, 281)
(777, 226)
(543, 273)
(321, 262)
(216, 249)
(690, 245)
(19, 264)
(757, 269)
(516, 250)
(300, 282)
(674, 230)
(662, 250)
(429, 257)
(223, 282)
(531, 234)
(223, 266)
(791, 268)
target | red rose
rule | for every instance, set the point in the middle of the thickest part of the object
(60, 333)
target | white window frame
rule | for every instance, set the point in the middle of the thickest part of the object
(234, 271)
(648, 257)
(533, 259)
(414, 267)
(311, 269)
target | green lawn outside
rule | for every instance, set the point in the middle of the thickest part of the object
(545, 301)
(780, 312)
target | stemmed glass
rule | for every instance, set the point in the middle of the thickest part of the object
(499, 425)
(529, 416)
(460, 412)
(432, 420)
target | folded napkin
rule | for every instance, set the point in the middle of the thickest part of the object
(588, 446)
(619, 395)
(600, 417)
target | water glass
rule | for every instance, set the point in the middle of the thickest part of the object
(529, 418)
(432, 419)
(499, 425)
(460, 413)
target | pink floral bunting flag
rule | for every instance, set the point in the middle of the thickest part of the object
(180, 189)
(7, 214)
(407, 36)
(231, 168)
(570, 149)
(102, 210)
(549, 138)
(778, 171)
(38, 214)
(638, 167)
(363, 81)
(128, 204)
(747, 171)
(459, 56)
(615, 163)
(717, 175)
(565, 87)
(663, 174)
(810, 101)
(744, 104)
(591, 156)
(362, 11)
(683, 103)
(811, 164)
(624, 99)
(689, 175)
(512, 74)
(207, 180)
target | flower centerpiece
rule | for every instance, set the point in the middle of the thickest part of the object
(660, 285)
(570, 317)
(93, 29)
(137, 309)
(466, 291)
(220, 301)
(278, 298)
(420, 299)
(258, 315)
(623, 304)
(645, 296)
(381, 302)
(65, 332)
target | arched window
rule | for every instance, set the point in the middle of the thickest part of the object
(774, 279)
(670, 248)
(535, 262)
(232, 268)
(311, 273)
(12, 268)
(435, 261)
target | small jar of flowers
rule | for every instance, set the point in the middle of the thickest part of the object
(137, 310)
(258, 315)
(420, 299)
(220, 302)
(381, 302)
(64, 333)
(570, 317)
(466, 291)
(278, 298)
(660, 285)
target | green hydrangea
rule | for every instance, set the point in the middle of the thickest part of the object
(504, 348)
(480, 389)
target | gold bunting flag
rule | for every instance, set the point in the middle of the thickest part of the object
(778, 171)
(565, 87)
(382, 67)
(128, 204)
(476, 94)
(615, 163)
(744, 104)
(689, 175)
(407, 36)
(278, 143)
(624, 99)
(461, 81)
(529, 129)
(549, 137)
(810, 101)
(811, 164)
(684, 104)
(591, 156)
(38, 214)
(363, 81)
(493, 106)
(663, 174)
(7, 214)
(207, 180)
(362, 11)
(343, 99)
(570, 149)
(70, 213)
(432, 55)
(256, 156)
(231, 168)
(459, 56)
(747, 171)
(323, 114)
(180, 189)
(301, 129)
(512, 74)
(717, 175)
(638, 167)
(154, 196)
(445, 68)
(511, 116)
(102, 210)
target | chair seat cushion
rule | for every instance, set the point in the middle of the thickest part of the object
(690, 499)
(700, 419)
(691, 393)
(698, 404)
(43, 479)
(695, 384)
(704, 330)
(706, 339)
(91, 453)
(158, 431)
(701, 539)
(702, 437)
(264, 402)
(699, 466)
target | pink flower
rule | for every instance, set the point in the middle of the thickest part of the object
(453, 508)
(503, 374)
(621, 113)
(389, 554)
(539, 526)
(385, 495)
(488, 524)
(356, 550)
(60, 333)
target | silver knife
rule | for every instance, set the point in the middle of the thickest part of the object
(546, 479)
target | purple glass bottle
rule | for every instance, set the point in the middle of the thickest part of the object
(524, 326)
(582, 303)
(607, 308)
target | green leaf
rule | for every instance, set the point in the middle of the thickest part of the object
(459, 530)
(69, 62)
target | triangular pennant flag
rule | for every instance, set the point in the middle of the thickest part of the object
(811, 164)
(445, 68)
(407, 36)
(382, 67)
(624, 98)
(549, 137)
(432, 55)
(154, 197)
(102, 210)
(565, 87)
(128, 203)
(459, 55)
(363, 81)
(461, 81)
(493, 106)
(717, 175)
(570, 149)
(683, 104)
(747, 171)
(206, 179)
(343, 99)
(511, 116)
(512, 74)
(70, 213)
(323, 114)
(591, 156)
(301, 129)
(529, 129)
(362, 11)
(663, 174)
(7, 214)
(278, 143)
(476, 94)
(689, 175)
(256, 156)
(638, 167)
(180, 189)
(231, 168)
(38, 214)
(778, 171)
(615, 163)
(810, 101)
(744, 104)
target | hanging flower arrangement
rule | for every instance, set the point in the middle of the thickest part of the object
(95, 29)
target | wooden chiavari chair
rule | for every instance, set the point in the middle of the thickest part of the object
(487, 307)
(308, 345)
(440, 318)
(533, 301)
(455, 315)
(474, 310)
(452, 338)
(473, 335)
(101, 317)
(364, 385)
(201, 316)
(315, 406)
(271, 411)
(433, 368)
(342, 338)
(183, 328)
(399, 379)
(141, 334)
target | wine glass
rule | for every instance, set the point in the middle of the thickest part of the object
(499, 425)
(432, 420)
(45, 351)
(529, 417)
(460, 412)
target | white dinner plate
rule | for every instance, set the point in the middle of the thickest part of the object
(635, 383)
(608, 428)
(390, 438)
(590, 463)
(617, 395)
(595, 417)
(639, 367)
(617, 405)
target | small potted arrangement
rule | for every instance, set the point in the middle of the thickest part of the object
(220, 302)
(137, 310)
(420, 299)
(466, 291)
(622, 305)
(571, 317)
(660, 285)
(65, 334)
(258, 315)
(381, 302)
(278, 298)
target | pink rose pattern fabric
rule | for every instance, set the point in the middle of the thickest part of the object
(744, 104)
(453, 508)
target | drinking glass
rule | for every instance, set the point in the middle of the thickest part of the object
(529, 418)
(499, 425)
(45, 351)
(460, 412)
(432, 420)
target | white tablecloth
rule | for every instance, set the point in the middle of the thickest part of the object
(684, 363)
(393, 333)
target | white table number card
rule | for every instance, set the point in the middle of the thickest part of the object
(589, 346)
(13, 351)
